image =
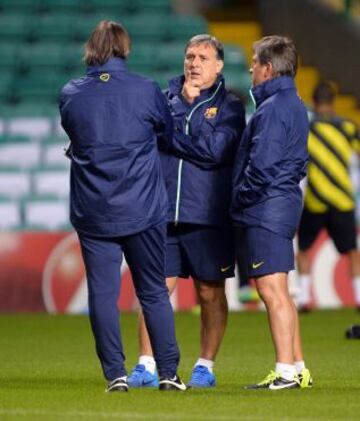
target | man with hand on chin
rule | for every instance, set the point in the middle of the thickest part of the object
(208, 123)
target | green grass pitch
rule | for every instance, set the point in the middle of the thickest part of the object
(49, 371)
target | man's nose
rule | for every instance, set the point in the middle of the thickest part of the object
(196, 61)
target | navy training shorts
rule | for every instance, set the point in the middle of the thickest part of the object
(266, 252)
(205, 253)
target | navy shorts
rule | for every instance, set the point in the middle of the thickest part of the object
(203, 252)
(266, 252)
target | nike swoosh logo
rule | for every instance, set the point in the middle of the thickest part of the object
(225, 268)
(174, 382)
(284, 386)
(257, 265)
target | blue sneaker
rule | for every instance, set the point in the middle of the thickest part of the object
(139, 377)
(201, 377)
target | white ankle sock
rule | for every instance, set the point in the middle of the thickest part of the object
(305, 288)
(287, 371)
(207, 363)
(299, 366)
(148, 362)
(356, 283)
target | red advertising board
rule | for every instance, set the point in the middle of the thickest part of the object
(43, 271)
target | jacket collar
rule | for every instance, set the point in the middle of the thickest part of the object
(270, 87)
(113, 65)
(176, 84)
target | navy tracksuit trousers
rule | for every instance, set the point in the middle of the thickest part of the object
(145, 255)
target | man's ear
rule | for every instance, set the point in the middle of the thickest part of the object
(219, 66)
(269, 73)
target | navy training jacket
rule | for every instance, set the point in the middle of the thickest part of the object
(115, 121)
(271, 160)
(198, 169)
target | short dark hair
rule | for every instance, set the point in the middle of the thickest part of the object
(207, 39)
(109, 39)
(324, 93)
(280, 51)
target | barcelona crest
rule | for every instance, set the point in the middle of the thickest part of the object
(210, 112)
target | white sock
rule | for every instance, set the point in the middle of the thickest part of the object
(305, 287)
(299, 366)
(287, 371)
(148, 362)
(356, 283)
(207, 363)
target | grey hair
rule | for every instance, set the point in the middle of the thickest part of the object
(280, 51)
(207, 39)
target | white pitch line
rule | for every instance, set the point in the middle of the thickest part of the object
(121, 415)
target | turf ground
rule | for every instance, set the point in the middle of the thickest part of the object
(49, 371)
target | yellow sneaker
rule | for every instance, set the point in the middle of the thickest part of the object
(305, 378)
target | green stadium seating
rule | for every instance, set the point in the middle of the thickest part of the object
(115, 7)
(235, 57)
(41, 87)
(30, 109)
(182, 27)
(6, 83)
(8, 56)
(147, 27)
(51, 181)
(162, 7)
(14, 139)
(64, 6)
(143, 58)
(14, 27)
(54, 27)
(14, 183)
(42, 57)
(45, 212)
(20, 6)
(238, 80)
(10, 215)
(170, 57)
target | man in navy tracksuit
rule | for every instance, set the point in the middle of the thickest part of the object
(267, 199)
(116, 121)
(208, 124)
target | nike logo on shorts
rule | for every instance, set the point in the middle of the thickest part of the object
(257, 265)
(225, 268)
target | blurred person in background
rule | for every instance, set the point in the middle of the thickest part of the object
(329, 194)
(267, 199)
(208, 124)
(115, 121)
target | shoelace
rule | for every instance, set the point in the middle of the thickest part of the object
(199, 372)
(139, 369)
(269, 378)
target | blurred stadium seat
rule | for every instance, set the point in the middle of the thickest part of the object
(19, 154)
(14, 183)
(45, 212)
(51, 182)
(10, 215)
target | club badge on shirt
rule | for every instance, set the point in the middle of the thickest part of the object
(210, 112)
(104, 77)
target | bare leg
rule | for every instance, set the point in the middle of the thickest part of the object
(303, 262)
(144, 340)
(214, 311)
(354, 256)
(298, 353)
(273, 290)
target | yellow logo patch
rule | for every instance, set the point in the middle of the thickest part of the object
(104, 77)
(210, 112)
